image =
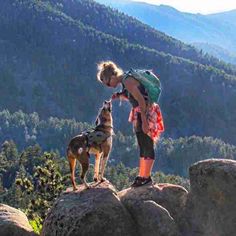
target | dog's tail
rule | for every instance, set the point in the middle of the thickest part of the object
(69, 152)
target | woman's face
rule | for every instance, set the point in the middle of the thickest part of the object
(111, 82)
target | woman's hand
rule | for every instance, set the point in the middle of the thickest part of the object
(114, 96)
(145, 127)
(120, 96)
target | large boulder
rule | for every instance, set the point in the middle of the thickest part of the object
(211, 206)
(148, 210)
(161, 210)
(96, 211)
(14, 222)
(156, 209)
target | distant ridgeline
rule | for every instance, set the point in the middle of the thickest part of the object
(213, 33)
(48, 56)
(173, 156)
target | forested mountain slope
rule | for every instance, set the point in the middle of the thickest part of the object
(48, 64)
(215, 29)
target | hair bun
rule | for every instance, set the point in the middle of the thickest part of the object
(104, 65)
(108, 66)
(106, 69)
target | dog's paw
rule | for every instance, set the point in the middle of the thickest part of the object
(75, 189)
(87, 186)
(103, 179)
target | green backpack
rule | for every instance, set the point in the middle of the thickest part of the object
(149, 80)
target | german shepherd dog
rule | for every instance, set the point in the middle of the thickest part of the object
(81, 146)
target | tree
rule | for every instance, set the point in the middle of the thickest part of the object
(42, 188)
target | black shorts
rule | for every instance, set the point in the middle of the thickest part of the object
(145, 143)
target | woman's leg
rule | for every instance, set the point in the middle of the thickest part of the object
(147, 155)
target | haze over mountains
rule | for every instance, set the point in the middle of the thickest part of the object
(214, 33)
(48, 56)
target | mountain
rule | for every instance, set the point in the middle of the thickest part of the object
(217, 29)
(48, 56)
(228, 17)
(133, 31)
(217, 51)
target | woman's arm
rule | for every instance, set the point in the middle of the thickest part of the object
(132, 86)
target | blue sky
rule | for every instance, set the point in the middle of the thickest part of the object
(197, 6)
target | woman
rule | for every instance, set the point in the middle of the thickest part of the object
(145, 116)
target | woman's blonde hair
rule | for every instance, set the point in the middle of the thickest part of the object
(106, 69)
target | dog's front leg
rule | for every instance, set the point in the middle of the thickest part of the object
(103, 165)
(96, 166)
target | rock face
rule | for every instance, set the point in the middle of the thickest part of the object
(96, 211)
(14, 222)
(209, 209)
(156, 209)
(211, 205)
(102, 211)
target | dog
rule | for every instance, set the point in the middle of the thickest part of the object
(97, 142)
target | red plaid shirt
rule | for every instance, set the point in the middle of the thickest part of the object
(154, 119)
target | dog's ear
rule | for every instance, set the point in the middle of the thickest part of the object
(107, 101)
(107, 105)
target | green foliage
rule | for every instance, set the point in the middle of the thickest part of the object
(42, 188)
(29, 129)
(120, 176)
(176, 156)
(8, 162)
(160, 177)
(36, 225)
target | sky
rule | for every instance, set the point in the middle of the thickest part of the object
(197, 6)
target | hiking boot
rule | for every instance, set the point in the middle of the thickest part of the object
(140, 181)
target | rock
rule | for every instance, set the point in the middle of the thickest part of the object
(14, 222)
(172, 197)
(165, 201)
(162, 210)
(96, 211)
(152, 219)
(211, 206)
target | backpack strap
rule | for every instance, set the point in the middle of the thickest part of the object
(128, 73)
(124, 90)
